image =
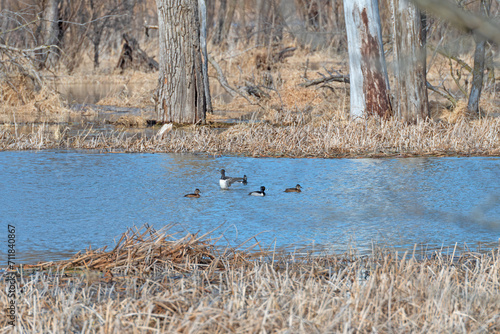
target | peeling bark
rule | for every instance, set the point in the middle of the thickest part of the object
(368, 71)
(181, 92)
(411, 100)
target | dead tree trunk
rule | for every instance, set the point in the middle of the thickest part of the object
(181, 92)
(203, 43)
(411, 101)
(478, 71)
(133, 57)
(50, 32)
(369, 87)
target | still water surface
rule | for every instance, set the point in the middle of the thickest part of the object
(63, 201)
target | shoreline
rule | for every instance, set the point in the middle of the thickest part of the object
(187, 284)
(326, 139)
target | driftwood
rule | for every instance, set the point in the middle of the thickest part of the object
(133, 57)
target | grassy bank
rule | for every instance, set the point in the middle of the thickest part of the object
(152, 283)
(325, 138)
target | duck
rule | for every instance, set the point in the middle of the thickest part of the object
(293, 190)
(195, 195)
(260, 192)
(226, 181)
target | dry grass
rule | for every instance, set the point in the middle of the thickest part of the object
(372, 138)
(153, 283)
(296, 121)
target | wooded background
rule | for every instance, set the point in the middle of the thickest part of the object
(95, 28)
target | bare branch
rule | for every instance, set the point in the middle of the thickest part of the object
(477, 24)
(339, 78)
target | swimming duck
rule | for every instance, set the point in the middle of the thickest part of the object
(226, 181)
(195, 195)
(258, 193)
(293, 190)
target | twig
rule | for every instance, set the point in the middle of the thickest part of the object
(455, 58)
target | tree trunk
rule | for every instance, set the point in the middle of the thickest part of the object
(181, 92)
(478, 71)
(411, 102)
(369, 88)
(262, 33)
(203, 43)
(96, 43)
(210, 4)
(50, 33)
(229, 19)
(220, 22)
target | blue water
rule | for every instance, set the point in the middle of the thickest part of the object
(63, 201)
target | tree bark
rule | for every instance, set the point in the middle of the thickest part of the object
(369, 88)
(50, 33)
(478, 71)
(203, 44)
(411, 100)
(181, 92)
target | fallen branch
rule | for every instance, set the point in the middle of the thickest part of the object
(446, 95)
(338, 78)
(223, 82)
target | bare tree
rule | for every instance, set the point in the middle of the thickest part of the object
(410, 89)
(478, 71)
(50, 33)
(369, 83)
(181, 92)
(102, 15)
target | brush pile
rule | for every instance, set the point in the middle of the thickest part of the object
(141, 251)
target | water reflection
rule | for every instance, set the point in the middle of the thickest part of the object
(62, 202)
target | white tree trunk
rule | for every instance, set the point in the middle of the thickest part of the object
(181, 91)
(369, 83)
(410, 90)
(203, 43)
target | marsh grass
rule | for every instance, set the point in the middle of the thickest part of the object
(152, 282)
(326, 138)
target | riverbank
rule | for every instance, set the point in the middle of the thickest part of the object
(287, 119)
(322, 139)
(154, 282)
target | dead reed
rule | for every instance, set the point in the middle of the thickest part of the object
(152, 283)
(326, 138)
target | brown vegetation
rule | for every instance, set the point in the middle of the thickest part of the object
(326, 138)
(152, 282)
